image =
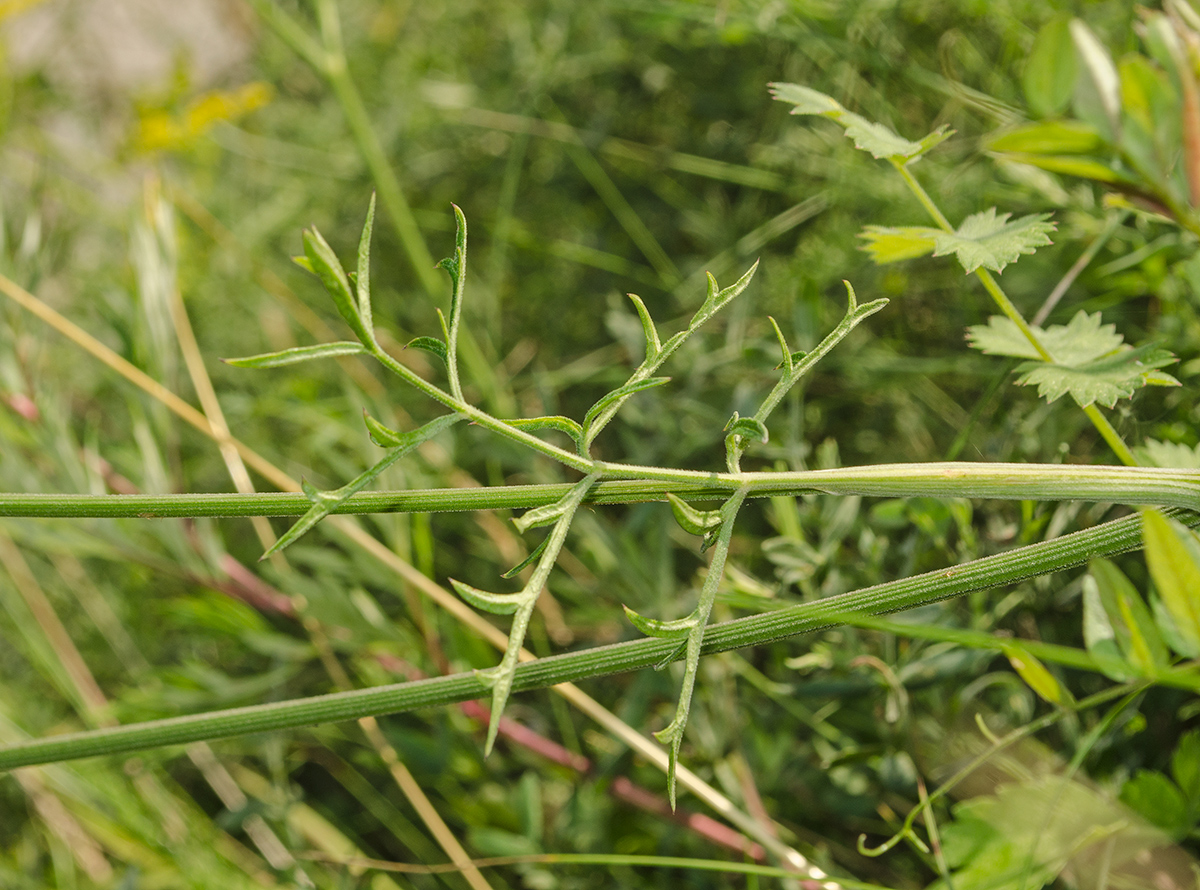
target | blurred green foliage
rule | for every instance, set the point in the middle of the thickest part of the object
(597, 148)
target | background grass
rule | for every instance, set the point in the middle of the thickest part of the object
(595, 149)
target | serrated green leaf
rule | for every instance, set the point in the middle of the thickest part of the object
(1050, 69)
(877, 139)
(653, 344)
(296, 354)
(362, 281)
(329, 269)
(889, 244)
(652, 627)
(1103, 381)
(552, 422)
(431, 345)
(618, 395)
(1099, 636)
(1084, 339)
(324, 502)
(691, 520)
(869, 136)
(527, 561)
(485, 601)
(1135, 630)
(988, 239)
(1049, 138)
(1036, 677)
(1173, 557)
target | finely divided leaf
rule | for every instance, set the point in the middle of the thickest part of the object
(431, 345)
(496, 603)
(988, 239)
(652, 627)
(297, 354)
(383, 436)
(653, 344)
(554, 422)
(747, 428)
(617, 395)
(691, 520)
(362, 281)
(716, 300)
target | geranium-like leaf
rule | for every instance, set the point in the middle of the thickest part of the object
(496, 603)
(868, 135)
(1104, 381)
(1084, 339)
(691, 520)
(988, 239)
(432, 345)
(1170, 454)
(652, 627)
(297, 354)
(891, 244)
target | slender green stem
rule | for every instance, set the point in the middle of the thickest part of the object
(1108, 539)
(1103, 426)
(1050, 482)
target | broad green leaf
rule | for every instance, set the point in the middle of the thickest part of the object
(1185, 767)
(653, 344)
(1050, 69)
(1098, 92)
(553, 422)
(1157, 800)
(1099, 636)
(303, 263)
(652, 627)
(691, 520)
(1170, 454)
(324, 502)
(496, 603)
(296, 354)
(527, 561)
(1035, 675)
(1084, 339)
(888, 244)
(988, 239)
(868, 135)
(1049, 138)
(362, 281)
(328, 268)
(1173, 557)
(1105, 380)
(1129, 617)
(431, 345)
(1167, 628)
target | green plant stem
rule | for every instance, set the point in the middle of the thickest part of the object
(1050, 482)
(1108, 539)
(1106, 430)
